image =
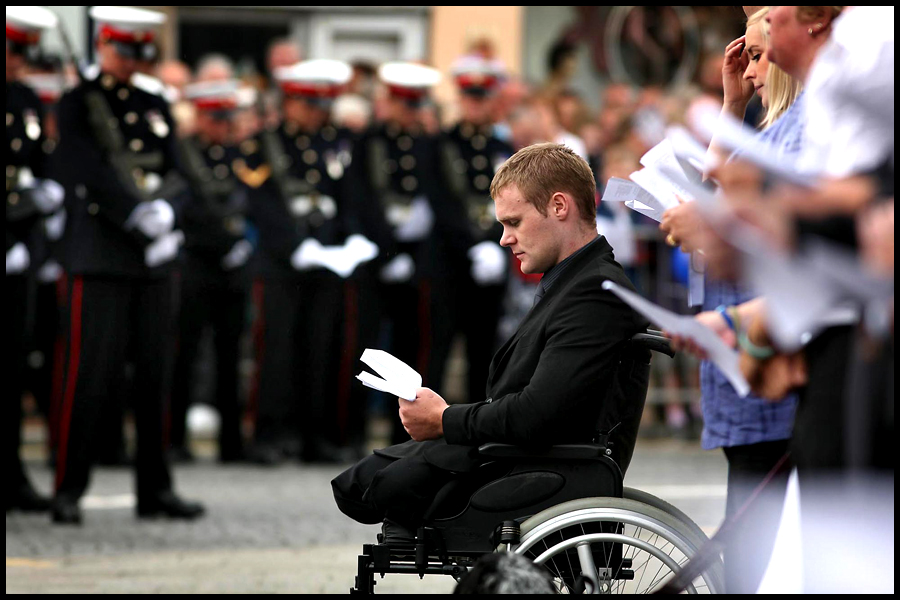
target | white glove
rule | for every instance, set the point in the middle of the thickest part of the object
(360, 248)
(418, 224)
(55, 225)
(399, 270)
(17, 259)
(163, 249)
(48, 196)
(154, 219)
(238, 255)
(488, 263)
(50, 272)
(308, 255)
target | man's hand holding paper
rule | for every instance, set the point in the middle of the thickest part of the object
(423, 419)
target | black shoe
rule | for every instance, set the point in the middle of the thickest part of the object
(265, 455)
(167, 504)
(396, 535)
(27, 499)
(180, 455)
(65, 512)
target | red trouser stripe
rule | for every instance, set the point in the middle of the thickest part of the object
(71, 377)
(351, 314)
(59, 363)
(259, 341)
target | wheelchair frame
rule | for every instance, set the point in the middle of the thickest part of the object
(484, 512)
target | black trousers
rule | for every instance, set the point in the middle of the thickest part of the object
(14, 333)
(380, 487)
(219, 303)
(110, 321)
(404, 313)
(298, 335)
(461, 306)
(42, 345)
(750, 546)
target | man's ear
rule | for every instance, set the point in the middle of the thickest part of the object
(559, 205)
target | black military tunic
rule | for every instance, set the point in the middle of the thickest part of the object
(392, 170)
(24, 162)
(299, 313)
(213, 209)
(116, 147)
(469, 157)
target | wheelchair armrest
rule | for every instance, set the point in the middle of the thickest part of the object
(567, 452)
(654, 341)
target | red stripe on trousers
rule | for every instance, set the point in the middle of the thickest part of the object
(259, 328)
(351, 313)
(71, 378)
(59, 364)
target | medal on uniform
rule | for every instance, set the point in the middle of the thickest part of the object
(333, 165)
(301, 206)
(32, 125)
(158, 124)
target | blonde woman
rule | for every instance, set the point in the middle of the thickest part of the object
(753, 433)
(746, 71)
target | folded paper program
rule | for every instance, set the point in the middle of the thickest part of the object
(397, 377)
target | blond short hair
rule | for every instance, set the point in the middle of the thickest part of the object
(541, 170)
(783, 89)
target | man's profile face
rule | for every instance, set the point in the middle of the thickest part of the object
(526, 232)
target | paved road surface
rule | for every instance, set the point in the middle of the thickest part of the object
(268, 530)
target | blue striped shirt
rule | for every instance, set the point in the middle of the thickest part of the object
(729, 420)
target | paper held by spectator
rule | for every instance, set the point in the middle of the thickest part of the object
(686, 147)
(657, 186)
(725, 358)
(634, 196)
(397, 377)
(733, 135)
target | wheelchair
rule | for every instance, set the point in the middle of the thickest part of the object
(564, 508)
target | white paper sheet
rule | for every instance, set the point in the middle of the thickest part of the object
(733, 135)
(634, 196)
(397, 377)
(685, 146)
(657, 186)
(725, 358)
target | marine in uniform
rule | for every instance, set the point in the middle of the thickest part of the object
(213, 278)
(302, 221)
(30, 199)
(395, 184)
(116, 146)
(469, 293)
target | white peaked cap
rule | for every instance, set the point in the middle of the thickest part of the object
(317, 71)
(212, 89)
(471, 64)
(408, 75)
(127, 18)
(30, 18)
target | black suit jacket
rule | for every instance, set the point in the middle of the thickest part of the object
(566, 373)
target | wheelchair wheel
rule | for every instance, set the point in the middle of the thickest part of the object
(612, 545)
(656, 502)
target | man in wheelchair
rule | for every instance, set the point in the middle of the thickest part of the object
(567, 373)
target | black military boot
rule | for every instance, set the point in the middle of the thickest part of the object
(65, 512)
(167, 504)
(25, 498)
